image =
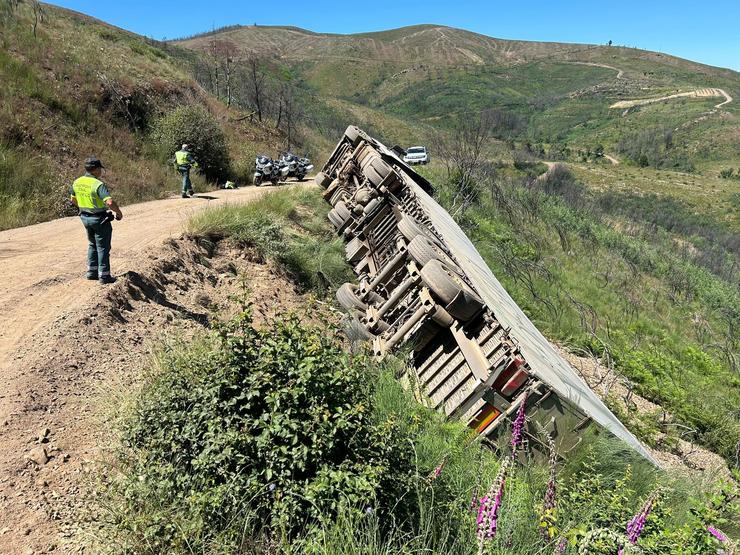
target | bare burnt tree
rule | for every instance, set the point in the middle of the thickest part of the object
(463, 154)
(38, 15)
(223, 53)
(257, 86)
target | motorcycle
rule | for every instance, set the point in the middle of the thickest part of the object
(297, 167)
(265, 169)
(304, 167)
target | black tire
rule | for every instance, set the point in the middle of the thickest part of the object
(409, 228)
(452, 292)
(348, 299)
(353, 134)
(377, 170)
(342, 210)
(335, 220)
(322, 180)
(257, 180)
(423, 250)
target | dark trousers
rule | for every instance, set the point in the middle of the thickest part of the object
(98, 244)
(186, 185)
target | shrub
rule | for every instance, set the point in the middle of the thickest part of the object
(196, 127)
(654, 147)
(273, 424)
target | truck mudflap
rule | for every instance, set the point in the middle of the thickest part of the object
(424, 289)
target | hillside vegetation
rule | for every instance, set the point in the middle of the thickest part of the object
(551, 93)
(279, 437)
(78, 87)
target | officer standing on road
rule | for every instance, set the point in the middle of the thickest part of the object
(92, 197)
(184, 161)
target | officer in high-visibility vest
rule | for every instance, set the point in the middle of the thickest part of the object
(184, 161)
(92, 197)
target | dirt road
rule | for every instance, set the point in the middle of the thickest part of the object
(41, 272)
(698, 93)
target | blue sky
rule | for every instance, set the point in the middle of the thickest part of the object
(707, 32)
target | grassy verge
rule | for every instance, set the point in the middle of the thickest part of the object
(288, 226)
(277, 440)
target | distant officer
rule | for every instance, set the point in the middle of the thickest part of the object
(92, 197)
(184, 161)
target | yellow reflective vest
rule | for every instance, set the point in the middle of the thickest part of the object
(184, 159)
(85, 191)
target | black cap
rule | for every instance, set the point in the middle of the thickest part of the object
(92, 162)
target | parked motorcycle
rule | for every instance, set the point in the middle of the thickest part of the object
(297, 167)
(265, 169)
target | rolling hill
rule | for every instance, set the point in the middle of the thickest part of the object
(426, 76)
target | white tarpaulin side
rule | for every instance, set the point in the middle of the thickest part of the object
(545, 362)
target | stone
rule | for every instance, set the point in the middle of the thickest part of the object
(39, 456)
(44, 435)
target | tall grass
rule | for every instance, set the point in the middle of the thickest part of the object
(288, 226)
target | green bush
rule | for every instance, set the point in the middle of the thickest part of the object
(274, 424)
(199, 129)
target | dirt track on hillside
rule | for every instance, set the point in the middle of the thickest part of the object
(698, 93)
(55, 340)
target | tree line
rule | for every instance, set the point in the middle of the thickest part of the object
(253, 82)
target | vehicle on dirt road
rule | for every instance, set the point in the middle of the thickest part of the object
(266, 169)
(297, 167)
(416, 155)
(423, 290)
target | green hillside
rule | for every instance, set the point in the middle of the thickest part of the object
(80, 87)
(553, 92)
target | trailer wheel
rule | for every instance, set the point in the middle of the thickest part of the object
(377, 170)
(450, 289)
(423, 250)
(347, 297)
(353, 134)
(343, 211)
(335, 220)
(322, 180)
(410, 228)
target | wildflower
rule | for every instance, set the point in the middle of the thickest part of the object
(635, 526)
(716, 533)
(518, 427)
(547, 523)
(437, 472)
(487, 521)
(271, 487)
(368, 511)
(562, 544)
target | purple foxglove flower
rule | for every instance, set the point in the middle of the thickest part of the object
(487, 521)
(635, 526)
(518, 427)
(716, 533)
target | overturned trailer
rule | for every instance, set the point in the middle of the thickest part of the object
(423, 288)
